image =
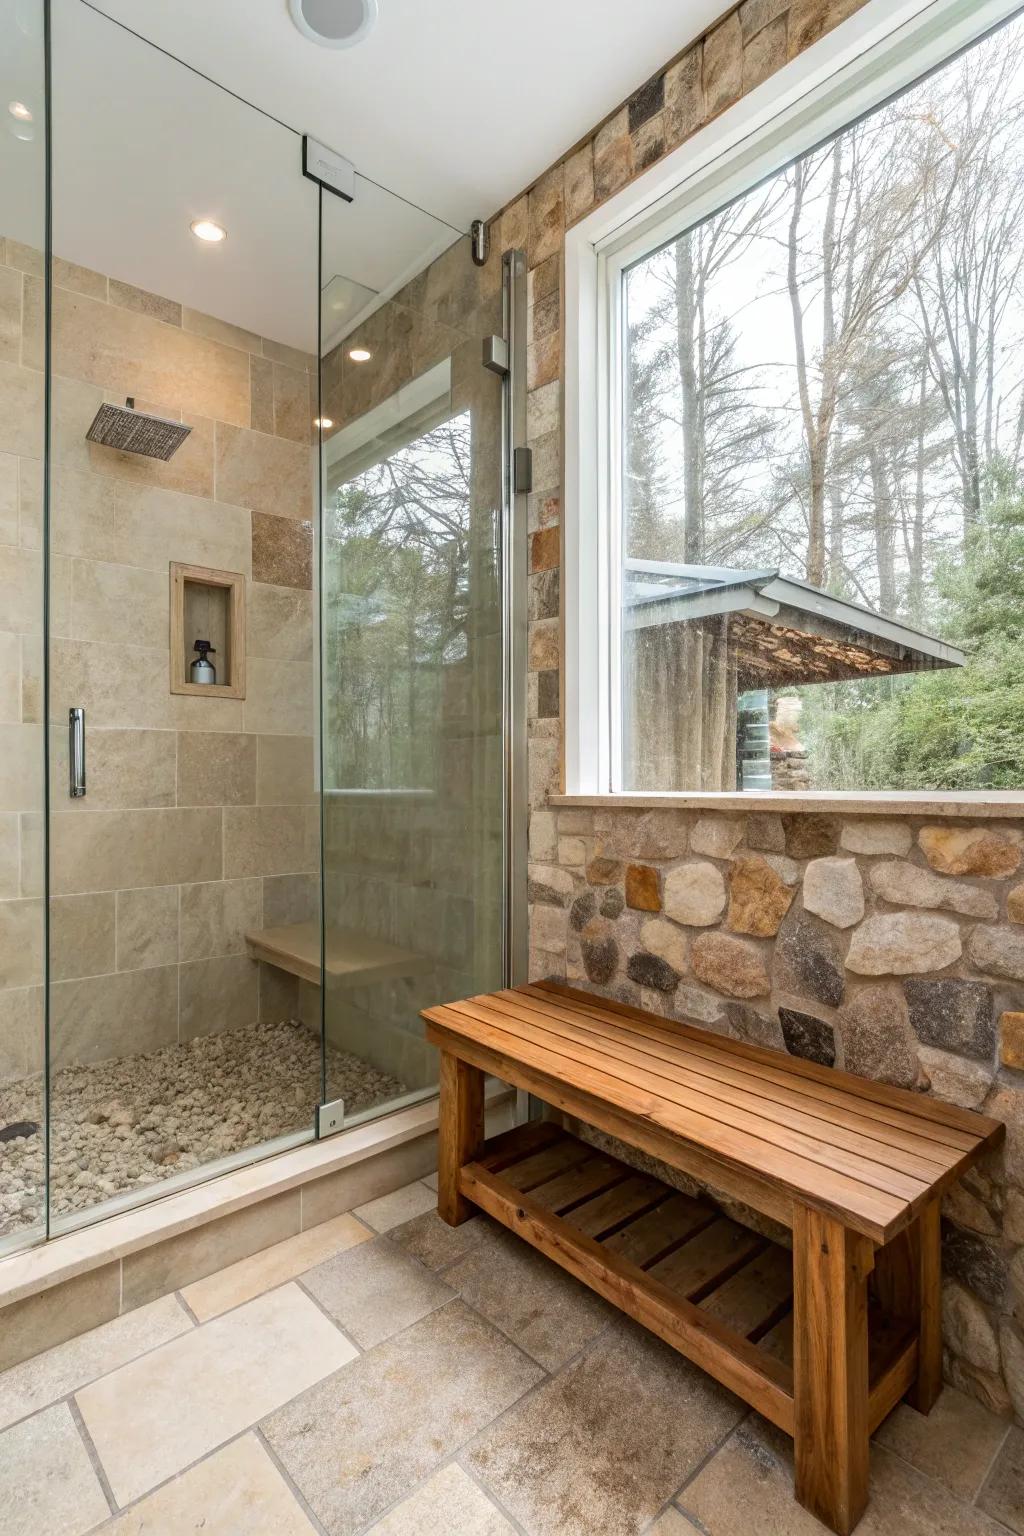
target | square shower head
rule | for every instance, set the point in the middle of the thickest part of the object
(131, 431)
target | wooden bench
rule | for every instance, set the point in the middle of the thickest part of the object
(823, 1340)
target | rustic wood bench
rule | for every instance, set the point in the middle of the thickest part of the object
(823, 1340)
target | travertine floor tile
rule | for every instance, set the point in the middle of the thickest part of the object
(154, 1417)
(272, 1266)
(376, 1290)
(361, 1440)
(748, 1487)
(955, 1443)
(450, 1501)
(540, 1307)
(401, 1205)
(672, 1523)
(1003, 1493)
(47, 1483)
(435, 1243)
(236, 1492)
(63, 1369)
(603, 1446)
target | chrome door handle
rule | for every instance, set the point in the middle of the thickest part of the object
(76, 752)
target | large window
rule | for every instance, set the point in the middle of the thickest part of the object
(819, 485)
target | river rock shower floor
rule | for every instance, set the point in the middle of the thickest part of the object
(127, 1123)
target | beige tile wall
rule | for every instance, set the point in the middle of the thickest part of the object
(200, 814)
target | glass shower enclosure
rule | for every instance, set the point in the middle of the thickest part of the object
(224, 901)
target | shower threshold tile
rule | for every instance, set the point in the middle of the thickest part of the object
(271, 1267)
(154, 1417)
(44, 1378)
(236, 1492)
(47, 1482)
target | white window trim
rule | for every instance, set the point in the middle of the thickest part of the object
(883, 48)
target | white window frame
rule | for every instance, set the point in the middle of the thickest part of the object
(882, 49)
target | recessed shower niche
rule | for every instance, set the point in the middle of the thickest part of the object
(207, 632)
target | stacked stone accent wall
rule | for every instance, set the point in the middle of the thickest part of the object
(889, 948)
(894, 948)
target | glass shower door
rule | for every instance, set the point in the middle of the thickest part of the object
(412, 655)
(22, 753)
(182, 497)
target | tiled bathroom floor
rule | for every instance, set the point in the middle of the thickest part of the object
(385, 1373)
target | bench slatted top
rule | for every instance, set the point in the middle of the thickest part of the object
(872, 1154)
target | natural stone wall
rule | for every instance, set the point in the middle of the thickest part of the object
(893, 948)
(889, 948)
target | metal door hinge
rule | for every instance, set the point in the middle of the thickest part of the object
(330, 1118)
(522, 469)
(496, 355)
(328, 169)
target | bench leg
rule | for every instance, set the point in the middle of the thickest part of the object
(460, 1133)
(908, 1280)
(830, 1359)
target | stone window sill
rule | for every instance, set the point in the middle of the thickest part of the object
(917, 802)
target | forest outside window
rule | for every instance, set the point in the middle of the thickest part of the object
(821, 471)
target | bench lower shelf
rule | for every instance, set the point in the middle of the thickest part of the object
(716, 1291)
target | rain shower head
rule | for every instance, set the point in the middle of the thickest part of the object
(132, 431)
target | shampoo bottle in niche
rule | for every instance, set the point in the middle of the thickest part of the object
(202, 669)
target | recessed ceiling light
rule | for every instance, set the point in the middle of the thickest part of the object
(206, 229)
(360, 355)
(324, 423)
(334, 23)
(19, 110)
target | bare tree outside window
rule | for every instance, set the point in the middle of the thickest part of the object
(397, 611)
(823, 488)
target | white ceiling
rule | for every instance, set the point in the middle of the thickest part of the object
(455, 105)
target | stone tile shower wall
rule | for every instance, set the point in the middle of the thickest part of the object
(200, 819)
(893, 948)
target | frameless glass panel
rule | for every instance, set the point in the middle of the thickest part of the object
(22, 755)
(174, 1049)
(412, 644)
(823, 487)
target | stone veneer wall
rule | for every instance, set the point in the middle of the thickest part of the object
(892, 947)
(200, 819)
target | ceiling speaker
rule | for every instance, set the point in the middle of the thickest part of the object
(334, 23)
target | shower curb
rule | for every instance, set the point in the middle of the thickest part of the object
(64, 1287)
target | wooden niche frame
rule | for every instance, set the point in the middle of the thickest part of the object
(230, 657)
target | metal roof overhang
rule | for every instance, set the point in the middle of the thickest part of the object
(831, 637)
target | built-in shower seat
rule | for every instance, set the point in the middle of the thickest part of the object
(824, 1336)
(352, 959)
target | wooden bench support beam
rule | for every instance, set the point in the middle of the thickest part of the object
(831, 1265)
(460, 1134)
(908, 1284)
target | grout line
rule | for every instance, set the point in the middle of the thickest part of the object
(93, 1453)
(183, 1304)
(289, 1481)
(120, 1510)
(706, 1460)
(359, 1348)
(992, 1464)
(487, 1491)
